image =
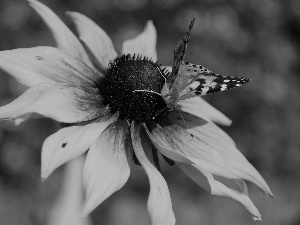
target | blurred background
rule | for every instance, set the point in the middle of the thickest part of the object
(257, 39)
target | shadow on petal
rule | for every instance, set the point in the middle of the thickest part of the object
(199, 107)
(184, 119)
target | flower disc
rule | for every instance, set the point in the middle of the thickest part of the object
(132, 86)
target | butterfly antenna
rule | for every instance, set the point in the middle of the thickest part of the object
(153, 92)
(184, 121)
(182, 117)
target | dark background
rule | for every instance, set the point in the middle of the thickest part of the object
(257, 39)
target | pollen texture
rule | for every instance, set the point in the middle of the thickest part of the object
(132, 86)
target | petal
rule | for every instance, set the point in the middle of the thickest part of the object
(159, 201)
(61, 103)
(197, 124)
(207, 181)
(206, 151)
(97, 42)
(30, 66)
(164, 144)
(199, 107)
(69, 143)
(235, 160)
(64, 38)
(68, 205)
(144, 44)
(106, 168)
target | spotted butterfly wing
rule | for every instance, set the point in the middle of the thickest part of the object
(189, 80)
(169, 90)
(201, 81)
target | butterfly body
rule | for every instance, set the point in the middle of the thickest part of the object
(189, 80)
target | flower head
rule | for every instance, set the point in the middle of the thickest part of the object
(126, 110)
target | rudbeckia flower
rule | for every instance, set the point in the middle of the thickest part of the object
(126, 110)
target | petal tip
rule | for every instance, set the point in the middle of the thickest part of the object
(18, 121)
(271, 195)
(267, 191)
(150, 23)
(44, 174)
(222, 120)
(33, 3)
(45, 171)
(87, 209)
(257, 218)
(70, 13)
(227, 122)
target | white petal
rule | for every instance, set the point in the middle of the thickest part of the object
(197, 124)
(144, 44)
(234, 159)
(30, 66)
(8, 111)
(159, 201)
(68, 205)
(61, 103)
(207, 181)
(164, 144)
(199, 107)
(106, 168)
(69, 143)
(64, 38)
(207, 151)
(95, 39)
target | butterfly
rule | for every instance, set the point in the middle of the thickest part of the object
(188, 80)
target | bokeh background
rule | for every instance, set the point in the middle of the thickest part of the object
(258, 39)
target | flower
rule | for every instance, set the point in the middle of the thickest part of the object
(111, 106)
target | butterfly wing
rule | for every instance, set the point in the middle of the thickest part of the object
(179, 53)
(189, 80)
(169, 90)
(197, 80)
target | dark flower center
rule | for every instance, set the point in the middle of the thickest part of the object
(132, 86)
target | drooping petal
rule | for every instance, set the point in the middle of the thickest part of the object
(207, 181)
(106, 168)
(68, 204)
(61, 103)
(206, 152)
(64, 38)
(199, 107)
(30, 66)
(159, 201)
(69, 143)
(144, 44)
(97, 42)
